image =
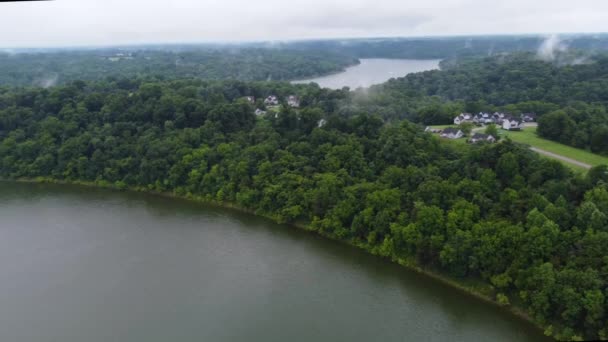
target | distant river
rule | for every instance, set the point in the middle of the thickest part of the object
(373, 71)
(80, 264)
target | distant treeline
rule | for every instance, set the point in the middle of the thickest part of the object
(59, 67)
(255, 61)
(444, 47)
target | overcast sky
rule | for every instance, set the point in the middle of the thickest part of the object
(110, 22)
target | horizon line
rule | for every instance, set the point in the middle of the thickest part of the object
(78, 46)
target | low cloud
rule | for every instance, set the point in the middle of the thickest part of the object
(47, 81)
(551, 47)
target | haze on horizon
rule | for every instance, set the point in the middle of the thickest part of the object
(117, 22)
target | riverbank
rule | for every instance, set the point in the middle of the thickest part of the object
(371, 71)
(409, 264)
(329, 74)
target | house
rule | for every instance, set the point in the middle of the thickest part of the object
(259, 112)
(433, 130)
(463, 117)
(483, 119)
(250, 99)
(118, 57)
(321, 123)
(487, 119)
(500, 117)
(452, 133)
(293, 101)
(480, 137)
(478, 119)
(271, 100)
(512, 125)
(528, 117)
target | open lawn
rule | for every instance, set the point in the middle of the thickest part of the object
(443, 126)
(528, 136)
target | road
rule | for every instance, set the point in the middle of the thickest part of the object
(547, 153)
(560, 157)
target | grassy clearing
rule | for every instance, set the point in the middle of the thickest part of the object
(454, 142)
(528, 136)
(443, 126)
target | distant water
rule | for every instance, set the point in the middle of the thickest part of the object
(80, 264)
(373, 71)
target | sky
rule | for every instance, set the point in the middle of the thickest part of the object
(118, 22)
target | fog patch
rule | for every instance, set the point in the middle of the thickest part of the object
(550, 48)
(9, 52)
(47, 81)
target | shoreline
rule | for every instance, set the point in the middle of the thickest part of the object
(312, 79)
(446, 280)
(309, 79)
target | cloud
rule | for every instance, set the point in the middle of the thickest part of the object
(110, 22)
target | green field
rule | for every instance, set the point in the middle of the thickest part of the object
(528, 136)
(443, 126)
(454, 142)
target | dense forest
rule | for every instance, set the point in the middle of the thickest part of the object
(524, 228)
(253, 61)
(58, 67)
(443, 47)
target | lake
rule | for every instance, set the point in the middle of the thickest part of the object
(81, 264)
(373, 71)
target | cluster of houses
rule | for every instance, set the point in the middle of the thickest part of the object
(506, 121)
(292, 101)
(118, 56)
(456, 133)
(273, 101)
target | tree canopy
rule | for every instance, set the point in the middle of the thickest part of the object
(526, 228)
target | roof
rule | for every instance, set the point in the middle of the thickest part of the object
(481, 136)
(451, 131)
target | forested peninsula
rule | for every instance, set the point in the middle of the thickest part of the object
(523, 230)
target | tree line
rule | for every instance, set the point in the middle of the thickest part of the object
(525, 229)
(47, 68)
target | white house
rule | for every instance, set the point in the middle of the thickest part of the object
(480, 137)
(259, 112)
(250, 99)
(271, 100)
(293, 101)
(452, 133)
(512, 125)
(463, 117)
(433, 130)
(528, 117)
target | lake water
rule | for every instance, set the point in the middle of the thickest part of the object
(373, 71)
(80, 264)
